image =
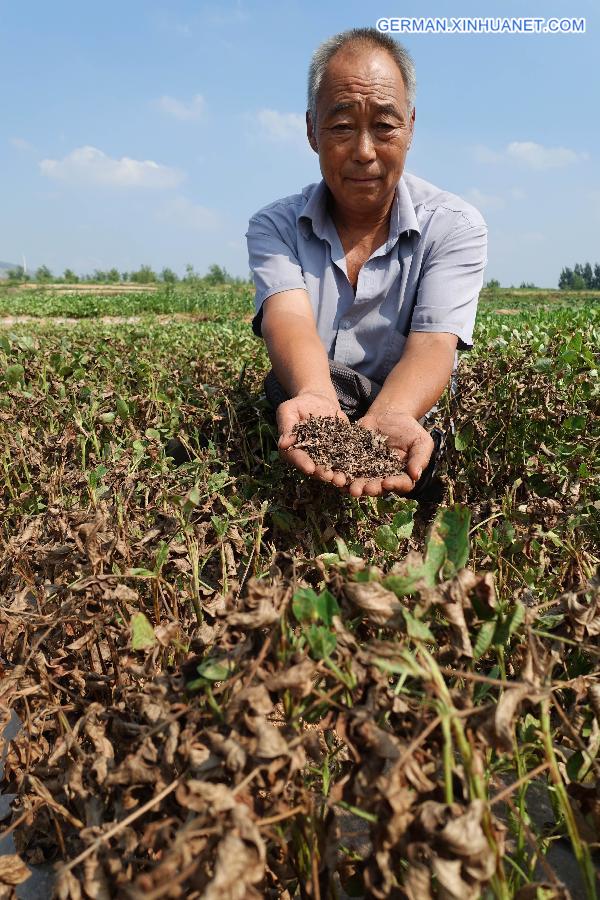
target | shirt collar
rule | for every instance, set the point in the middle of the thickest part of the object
(314, 216)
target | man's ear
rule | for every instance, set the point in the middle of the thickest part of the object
(310, 132)
(412, 126)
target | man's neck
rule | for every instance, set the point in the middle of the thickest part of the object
(355, 222)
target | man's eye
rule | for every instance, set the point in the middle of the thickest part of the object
(385, 126)
(342, 126)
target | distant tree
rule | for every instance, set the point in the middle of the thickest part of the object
(190, 274)
(217, 275)
(596, 283)
(99, 275)
(493, 283)
(565, 279)
(124, 276)
(113, 276)
(144, 275)
(16, 274)
(168, 276)
(578, 283)
(43, 274)
(70, 277)
(588, 276)
(528, 285)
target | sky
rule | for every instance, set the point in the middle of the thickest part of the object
(148, 133)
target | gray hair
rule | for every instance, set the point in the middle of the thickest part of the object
(367, 37)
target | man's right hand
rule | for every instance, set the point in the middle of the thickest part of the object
(299, 409)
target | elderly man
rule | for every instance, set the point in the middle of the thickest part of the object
(366, 283)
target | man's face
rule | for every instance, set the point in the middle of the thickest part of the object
(363, 130)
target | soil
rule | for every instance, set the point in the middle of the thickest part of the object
(347, 448)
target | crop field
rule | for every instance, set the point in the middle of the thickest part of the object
(234, 682)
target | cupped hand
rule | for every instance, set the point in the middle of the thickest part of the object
(299, 409)
(409, 440)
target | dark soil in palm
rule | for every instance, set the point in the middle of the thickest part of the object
(347, 448)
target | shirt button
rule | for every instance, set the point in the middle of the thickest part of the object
(344, 323)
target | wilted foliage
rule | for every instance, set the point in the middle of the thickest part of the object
(234, 683)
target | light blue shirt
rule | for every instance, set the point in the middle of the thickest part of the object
(426, 277)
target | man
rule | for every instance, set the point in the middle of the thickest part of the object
(368, 282)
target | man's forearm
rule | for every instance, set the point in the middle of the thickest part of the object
(418, 380)
(298, 356)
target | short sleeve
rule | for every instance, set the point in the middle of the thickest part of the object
(273, 263)
(450, 284)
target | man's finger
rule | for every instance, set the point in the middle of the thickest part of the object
(322, 473)
(373, 487)
(287, 416)
(400, 484)
(355, 488)
(300, 459)
(286, 441)
(419, 454)
(339, 479)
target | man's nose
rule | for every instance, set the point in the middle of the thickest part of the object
(364, 148)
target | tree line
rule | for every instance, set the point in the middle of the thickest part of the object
(580, 278)
(144, 275)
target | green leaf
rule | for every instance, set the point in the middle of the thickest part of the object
(14, 374)
(404, 520)
(464, 437)
(161, 556)
(214, 669)
(107, 418)
(484, 639)
(543, 364)
(574, 764)
(416, 628)
(327, 606)
(386, 539)
(329, 559)
(321, 641)
(142, 632)
(408, 583)
(509, 625)
(448, 542)
(305, 605)
(122, 409)
(152, 434)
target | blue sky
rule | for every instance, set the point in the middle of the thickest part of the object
(133, 132)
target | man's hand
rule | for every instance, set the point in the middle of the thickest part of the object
(296, 410)
(409, 440)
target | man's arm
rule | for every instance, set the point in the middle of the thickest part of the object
(414, 385)
(300, 363)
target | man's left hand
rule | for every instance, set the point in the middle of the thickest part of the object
(413, 444)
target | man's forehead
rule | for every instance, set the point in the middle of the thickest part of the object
(354, 74)
(381, 107)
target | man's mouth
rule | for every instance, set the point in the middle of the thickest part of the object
(372, 178)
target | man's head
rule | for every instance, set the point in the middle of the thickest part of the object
(360, 117)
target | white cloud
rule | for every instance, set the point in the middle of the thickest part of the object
(185, 110)
(183, 212)
(88, 165)
(483, 154)
(533, 155)
(21, 144)
(539, 157)
(484, 201)
(278, 126)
